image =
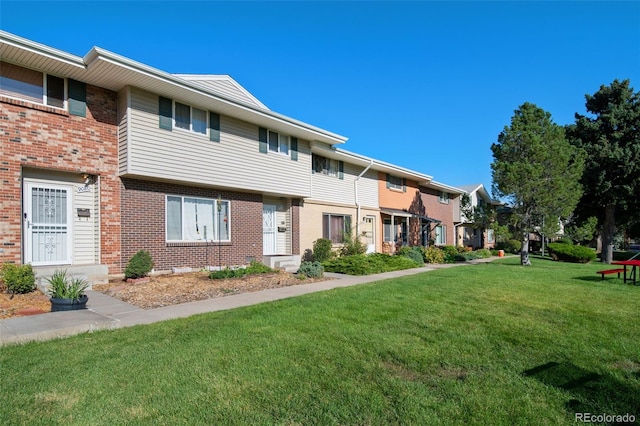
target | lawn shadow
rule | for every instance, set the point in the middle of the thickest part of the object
(594, 278)
(591, 392)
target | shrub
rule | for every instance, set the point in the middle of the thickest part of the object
(256, 267)
(564, 240)
(18, 278)
(413, 253)
(571, 253)
(373, 263)
(483, 253)
(139, 265)
(311, 269)
(352, 245)
(450, 253)
(322, 250)
(511, 246)
(227, 273)
(358, 264)
(433, 254)
(253, 268)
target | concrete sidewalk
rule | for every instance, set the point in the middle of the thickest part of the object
(106, 312)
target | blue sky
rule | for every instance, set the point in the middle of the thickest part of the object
(423, 85)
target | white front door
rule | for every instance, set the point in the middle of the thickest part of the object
(269, 229)
(369, 233)
(47, 223)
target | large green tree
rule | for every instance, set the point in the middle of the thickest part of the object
(611, 139)
(537, 171)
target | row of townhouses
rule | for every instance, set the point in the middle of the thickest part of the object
(102, 156)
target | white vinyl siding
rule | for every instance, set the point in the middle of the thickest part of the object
(342, 191)
(192, 158)
(123, 129)
(85, 242)
(283, 220)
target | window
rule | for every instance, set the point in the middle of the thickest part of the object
(440, 235)
(325, 166)
(34, 86)
(190, 118)
(444, 197)
(197, 219)
(396, 183)
(335, 226)
(278, 143)
(490, 235)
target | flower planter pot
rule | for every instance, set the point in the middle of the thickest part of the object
(58, 305)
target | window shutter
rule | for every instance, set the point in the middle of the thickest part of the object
(165, 113)
(404, 185)
(294, 149)
(77, 98)
(388, 181)
(340, 169)
(347, 224)
(262, 137)
(214, 126)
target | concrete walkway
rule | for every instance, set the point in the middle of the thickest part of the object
(106, 312)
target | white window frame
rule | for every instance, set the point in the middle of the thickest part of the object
(190, 124)
(441, 235)
(444, 197)
(214, 237)
(281, 143)
(346, 223)
(44, 98)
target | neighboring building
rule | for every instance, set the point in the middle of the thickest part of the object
(403, 213)
(442, 202)
(103, 156)
(467, 234)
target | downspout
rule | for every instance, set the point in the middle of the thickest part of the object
(355, 190)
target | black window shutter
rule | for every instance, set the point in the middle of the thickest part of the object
(262, 137)
(340, 169)
(165, 113)
(214, 126)
(294, 148)
(77, 98)
(404, 185)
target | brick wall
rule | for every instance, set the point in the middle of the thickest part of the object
(143, 227)
(41, 137)
(441, 211)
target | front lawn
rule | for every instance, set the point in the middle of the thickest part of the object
(491, 343)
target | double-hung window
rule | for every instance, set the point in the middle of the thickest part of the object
(30, 85)
(190, 118)
(335, 226)
(325, 166)
(197, 219)
(444, 197)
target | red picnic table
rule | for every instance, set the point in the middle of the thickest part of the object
(634, 263)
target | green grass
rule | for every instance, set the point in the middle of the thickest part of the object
(493, 343)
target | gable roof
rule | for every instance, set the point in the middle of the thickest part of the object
(224, 86)
(482, 192)
(111, 71)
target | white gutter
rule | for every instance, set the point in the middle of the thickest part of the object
(355, 190)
